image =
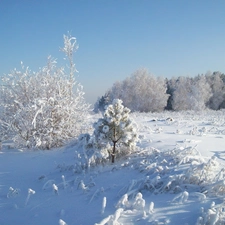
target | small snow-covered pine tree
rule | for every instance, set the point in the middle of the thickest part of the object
(116, 127)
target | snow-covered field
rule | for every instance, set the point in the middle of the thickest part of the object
(176, 176)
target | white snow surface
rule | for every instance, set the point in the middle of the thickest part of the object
(175, 176)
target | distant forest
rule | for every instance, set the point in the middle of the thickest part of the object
(144, 92)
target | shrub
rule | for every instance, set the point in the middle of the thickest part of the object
(46, 108)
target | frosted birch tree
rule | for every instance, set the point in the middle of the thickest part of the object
(182, 94)
(201, 93)
(191, 93)
(141, 92)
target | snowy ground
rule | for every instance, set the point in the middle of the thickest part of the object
(176, 176)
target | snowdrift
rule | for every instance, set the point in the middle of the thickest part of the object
(175, 176)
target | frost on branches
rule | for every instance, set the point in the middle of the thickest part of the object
(46, 108)
(141, 92)
(116, 128)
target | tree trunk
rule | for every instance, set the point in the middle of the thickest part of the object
(114, 152)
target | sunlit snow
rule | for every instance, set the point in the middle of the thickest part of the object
(174, 176)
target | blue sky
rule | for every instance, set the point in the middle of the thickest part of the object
(115, 37)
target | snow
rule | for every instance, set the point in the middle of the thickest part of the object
(175, 176)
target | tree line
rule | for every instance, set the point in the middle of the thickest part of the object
(144, 92)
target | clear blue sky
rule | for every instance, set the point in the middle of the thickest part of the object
(115, 37)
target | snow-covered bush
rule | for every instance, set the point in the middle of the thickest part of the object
(90, 152)
(46, 108)
(214, 215)
(116, 128)
(129, 207)
(176, 171)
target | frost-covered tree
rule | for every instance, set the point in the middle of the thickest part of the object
(201, 93)
(171, 87)
(102, 103)
(182, 94)
(46, 108)
(116, 128)
(217, 84)
(141, 92)
(191, 93)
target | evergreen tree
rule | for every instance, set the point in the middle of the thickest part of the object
(171, 87)
(116, 128)
(102, 103)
